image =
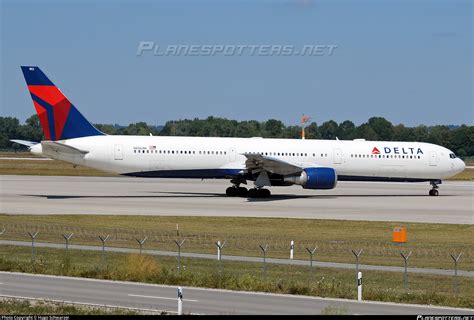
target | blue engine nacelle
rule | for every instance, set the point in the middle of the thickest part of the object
(320, 178)
(315, 178)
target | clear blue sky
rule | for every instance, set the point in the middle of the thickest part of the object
(408, 61)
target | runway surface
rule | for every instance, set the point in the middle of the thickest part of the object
(195, 300)
(404, 202)
(337, 265)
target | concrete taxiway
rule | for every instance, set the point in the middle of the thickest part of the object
(404, 202)
(195, 300)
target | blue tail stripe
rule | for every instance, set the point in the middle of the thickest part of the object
(35, 77)
(77, 126)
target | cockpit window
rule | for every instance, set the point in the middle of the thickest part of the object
(452, 156)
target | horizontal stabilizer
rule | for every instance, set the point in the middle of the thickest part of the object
(24, 142)
(51, 147)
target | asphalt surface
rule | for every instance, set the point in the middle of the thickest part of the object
(195, 300)
(403, 202)
(316, 264)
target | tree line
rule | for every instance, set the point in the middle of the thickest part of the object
(460, 139)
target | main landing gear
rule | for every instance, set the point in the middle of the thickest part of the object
(434, 191)
(258, 192)
(236, 191)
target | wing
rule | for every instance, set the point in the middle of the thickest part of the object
(257, 163)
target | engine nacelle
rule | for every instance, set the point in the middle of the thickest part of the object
(315, 178)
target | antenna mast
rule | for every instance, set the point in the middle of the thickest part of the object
(303, 121)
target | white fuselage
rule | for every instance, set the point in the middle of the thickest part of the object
(198, 157)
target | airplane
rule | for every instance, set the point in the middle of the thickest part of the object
(312, 164)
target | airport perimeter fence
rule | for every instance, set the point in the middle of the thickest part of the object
(378, 253)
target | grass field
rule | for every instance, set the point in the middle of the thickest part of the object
(431, 244)
(380, 286)
(467, 175)
(46, 168)
(469, 161)
(19, 154)
(26, 307)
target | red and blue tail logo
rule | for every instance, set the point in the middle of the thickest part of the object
(58, 117)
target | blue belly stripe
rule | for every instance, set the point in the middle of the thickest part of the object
(230, 173)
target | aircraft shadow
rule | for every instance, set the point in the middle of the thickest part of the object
(189, 195)
(180, 194)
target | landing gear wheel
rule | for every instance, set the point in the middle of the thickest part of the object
(434, 191)
(265, 193)
(259, 193)
(231, 191)
(236, 191)
(242, 192)
(252, 193)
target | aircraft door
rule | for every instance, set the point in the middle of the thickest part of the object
(232, 154)
(337, 156)
(118, 152)
(433, 158)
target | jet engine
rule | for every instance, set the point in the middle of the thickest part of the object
(315, 178)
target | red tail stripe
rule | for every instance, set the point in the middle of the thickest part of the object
(61, 112)
(50, 94)
(43, 118)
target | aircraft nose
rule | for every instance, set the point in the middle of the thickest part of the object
(460, 165)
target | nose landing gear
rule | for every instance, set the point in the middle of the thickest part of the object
(434, 191)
